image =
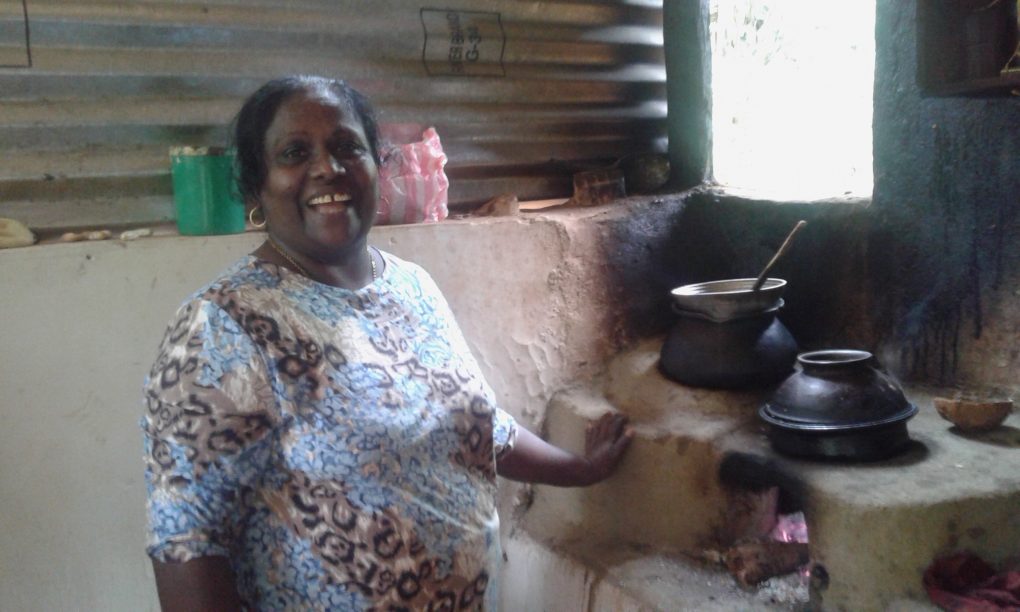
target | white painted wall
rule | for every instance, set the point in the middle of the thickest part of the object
(81, 323)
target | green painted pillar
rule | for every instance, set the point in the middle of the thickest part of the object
(688, 91)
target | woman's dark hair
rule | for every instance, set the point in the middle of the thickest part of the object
(259, 110)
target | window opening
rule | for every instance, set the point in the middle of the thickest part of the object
(792, 84)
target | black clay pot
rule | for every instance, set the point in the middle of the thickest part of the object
(751, 351)
(840, 404)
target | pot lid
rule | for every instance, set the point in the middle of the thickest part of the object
(768, 414)
(838, 388)
(729, 299)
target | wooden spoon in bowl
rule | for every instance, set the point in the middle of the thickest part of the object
(772, 262)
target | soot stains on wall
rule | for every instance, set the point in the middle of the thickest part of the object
(700, 236)
(724, 237)
(927, 276)
(943, 244)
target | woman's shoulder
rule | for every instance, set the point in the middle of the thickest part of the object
(403, 271)
(235, 285)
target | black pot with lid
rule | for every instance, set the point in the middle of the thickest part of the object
(840, 404)
(727, 335)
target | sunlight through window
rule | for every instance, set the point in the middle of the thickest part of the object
(792, 88)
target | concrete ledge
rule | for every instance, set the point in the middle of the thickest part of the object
(874, 526)
(586, 578)
(80, 328)
(877, 526)
(666, 493)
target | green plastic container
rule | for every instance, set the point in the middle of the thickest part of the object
(205, 197)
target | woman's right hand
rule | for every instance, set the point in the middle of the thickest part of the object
(606, 440)
(534, 460)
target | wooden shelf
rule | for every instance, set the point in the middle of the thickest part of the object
(1007, 84)
(962, 46)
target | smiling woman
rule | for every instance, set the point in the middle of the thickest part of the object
(312, 171)
(318, 434)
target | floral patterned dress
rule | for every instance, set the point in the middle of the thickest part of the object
(337, 446)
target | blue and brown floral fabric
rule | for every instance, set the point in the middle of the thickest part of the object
(337, 446)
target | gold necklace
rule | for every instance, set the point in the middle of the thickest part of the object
(302, 269)
(284, 254)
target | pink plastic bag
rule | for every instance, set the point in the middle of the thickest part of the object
(412, 183)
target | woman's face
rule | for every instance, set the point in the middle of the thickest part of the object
(321, 189)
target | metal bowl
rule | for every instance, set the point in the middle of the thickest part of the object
(725, 300)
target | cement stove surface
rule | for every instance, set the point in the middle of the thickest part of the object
(874, 526)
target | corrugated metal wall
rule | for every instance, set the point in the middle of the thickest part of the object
(92, 94)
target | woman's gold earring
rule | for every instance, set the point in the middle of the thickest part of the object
(251, 217)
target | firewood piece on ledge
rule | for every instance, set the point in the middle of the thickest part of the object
(14, 233)
(754, 562)
(135, 234)
(504, 205)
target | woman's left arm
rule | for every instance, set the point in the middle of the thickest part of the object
(532, 459)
